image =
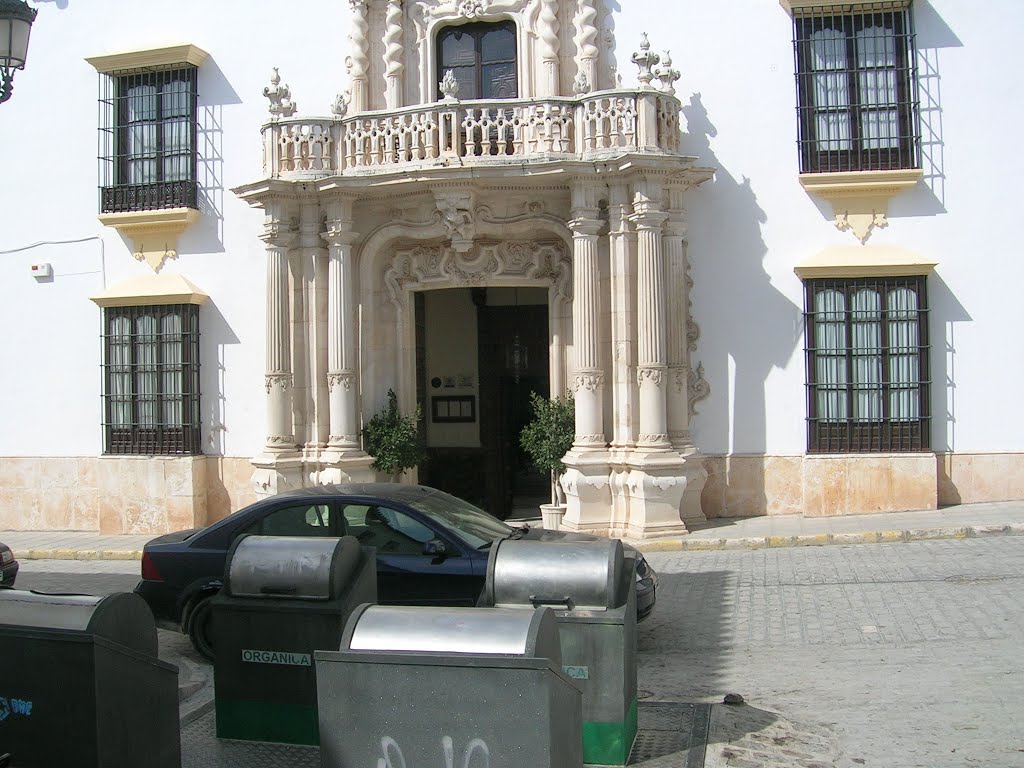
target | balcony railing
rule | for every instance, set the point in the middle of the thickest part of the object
(473, 133)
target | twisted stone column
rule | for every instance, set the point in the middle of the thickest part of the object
(547, 31)
(359, 60)
(586, 39)
(651, 334)
(280, 433)
(394, 52)
(341, 335)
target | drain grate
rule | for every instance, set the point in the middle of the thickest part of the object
(671, 735)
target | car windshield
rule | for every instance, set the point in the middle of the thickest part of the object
(476, 527)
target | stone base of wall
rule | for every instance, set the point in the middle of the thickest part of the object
(820, 485)
(121, 494)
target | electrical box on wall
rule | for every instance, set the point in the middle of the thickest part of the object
(40, 271)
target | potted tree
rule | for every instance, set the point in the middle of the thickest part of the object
(393, 439)
(546, 439)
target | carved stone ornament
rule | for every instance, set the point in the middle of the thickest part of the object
(666, 75)
(589, 440)
(341, 102)
(590, 381)
(536, 262)
(456, 211)
(281, 104)
(658, 439)
(581, 84)
(280, 381)
(449, 86)
(861, 224)
(699, 388)
(472, 9)
(645, 60)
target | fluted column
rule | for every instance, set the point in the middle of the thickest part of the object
(623, 277)
(359, 59)
(652, 354)
(394, 53)
(588, 376)
(678, 324)
(341, 333)
(280, 433)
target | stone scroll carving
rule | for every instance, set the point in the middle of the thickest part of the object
(425, 265)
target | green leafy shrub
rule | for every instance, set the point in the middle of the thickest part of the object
(393, 439)
(548, 437)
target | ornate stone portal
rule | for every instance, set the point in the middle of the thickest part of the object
(577, 187)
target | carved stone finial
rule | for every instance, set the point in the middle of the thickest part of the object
(341, 102)
(449, 86)
(581, 84)
(281, 104)
(472, 9)
(666, 75)
(645, 60)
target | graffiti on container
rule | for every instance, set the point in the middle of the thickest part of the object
(11, 707)
(392, 756)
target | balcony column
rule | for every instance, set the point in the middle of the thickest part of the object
(394, 53)
(359, 59)
(586, 478)
(586, 42)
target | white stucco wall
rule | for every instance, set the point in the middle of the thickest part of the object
(748, 227)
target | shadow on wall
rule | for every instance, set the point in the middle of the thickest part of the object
(755, 327)
(217, 335)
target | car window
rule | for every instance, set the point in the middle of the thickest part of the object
(298, 520)
(388, 530)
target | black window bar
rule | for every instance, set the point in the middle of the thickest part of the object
(147, 140)
(151, 380)
(856, 81)
(867, 355)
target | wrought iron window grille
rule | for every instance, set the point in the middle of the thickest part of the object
(147, 140)
(151, 380)
(867, 356)
(856, 83)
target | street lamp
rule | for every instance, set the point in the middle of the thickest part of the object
(16, 19)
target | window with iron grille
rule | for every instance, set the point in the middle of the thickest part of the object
(151, 380)
(856, 87)
(148, 133)
(867, 365)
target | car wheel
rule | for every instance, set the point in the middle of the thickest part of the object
(200, 626)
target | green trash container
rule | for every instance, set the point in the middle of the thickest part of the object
(282, 599)
(81, 684)
(591, 585)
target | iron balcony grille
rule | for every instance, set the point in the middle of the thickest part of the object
(147, 140)
(151, 380)
(868, 386)
(856, 82)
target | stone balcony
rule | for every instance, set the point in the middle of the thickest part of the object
(473, 134)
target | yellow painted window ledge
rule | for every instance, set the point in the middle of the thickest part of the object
(151, 291)
(860, 199)
(153, 234)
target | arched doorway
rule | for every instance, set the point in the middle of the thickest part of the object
(480, 352)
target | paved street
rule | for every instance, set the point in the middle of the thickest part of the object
(909, 653)
(896, 655)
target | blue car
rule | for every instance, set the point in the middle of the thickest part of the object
(432, 549)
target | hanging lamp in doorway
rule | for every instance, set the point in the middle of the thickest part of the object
(516, 356)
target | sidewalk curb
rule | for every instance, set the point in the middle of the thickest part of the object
(666, 545)
(825, 539)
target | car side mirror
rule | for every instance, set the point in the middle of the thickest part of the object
(437, 549)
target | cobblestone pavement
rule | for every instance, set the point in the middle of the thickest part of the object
(909, 653)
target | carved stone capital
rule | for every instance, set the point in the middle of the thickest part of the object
(277, 234)
(589, 381)
(339, 233)
(655, 374)
(344, 379)
(583, 225)
(282, 382)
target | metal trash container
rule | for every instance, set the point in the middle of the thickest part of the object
(448, 686)
(81, 684)
(591, 587)
(283, 598)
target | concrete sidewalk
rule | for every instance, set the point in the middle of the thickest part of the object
(954, 522)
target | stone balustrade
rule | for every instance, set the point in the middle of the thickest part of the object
(472, 133)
